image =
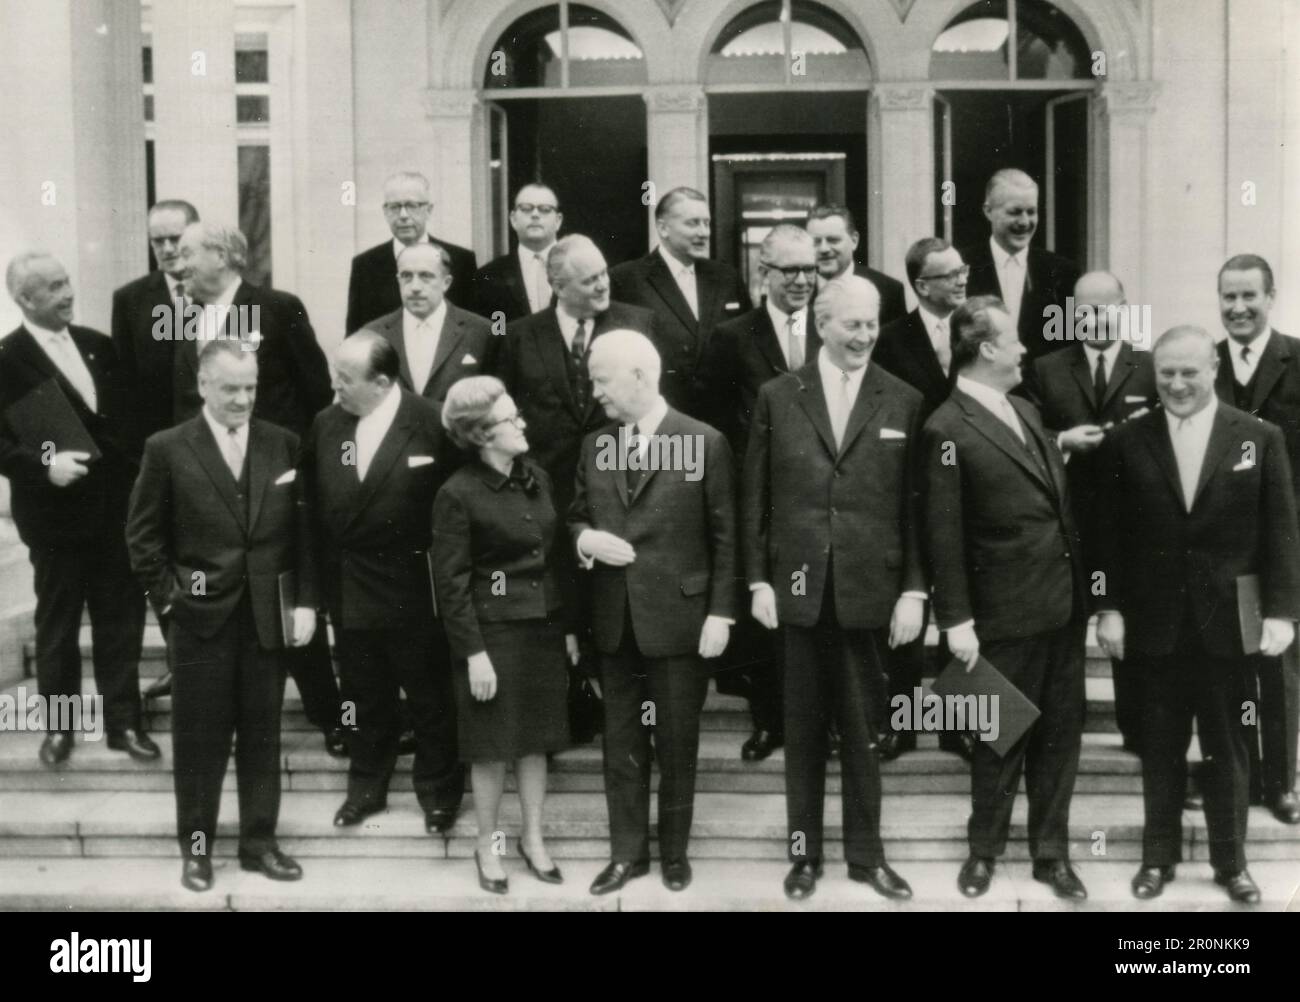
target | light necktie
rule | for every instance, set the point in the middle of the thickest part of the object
(686, 281)
(1247, 366)
(1015, 286)
(541, 286)
(421, 354)
(1189, 466)
(234, 454)
(73, 366)
(840, 409)
(794, 343)
(1011, 421)
(943, 346)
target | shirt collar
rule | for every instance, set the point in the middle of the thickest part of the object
(569, 323)
(675, 266)
(832, 373)
(488, 473)
(778, 317)
(983, 393)
(1001, 257)
(434, 320)
(387, 409)
(43, 335)
(220, 431)
(649, 422)
(931, 319)
(1256, 347)
(398, 246)
(1200, 421)
(526, 255)
(171, 284)
(1111, 351)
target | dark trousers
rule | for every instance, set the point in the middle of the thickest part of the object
(96, 576)
(313, 671)
(1271, 743)
(375, 665)
(675, 688)
(222, 686)
(833, 674)
(1049, 669)
(1185, 685)
(1127, 680)
(754, 659)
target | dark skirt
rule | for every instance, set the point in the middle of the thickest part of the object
(529, 714)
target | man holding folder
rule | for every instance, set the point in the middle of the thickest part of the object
(1200, 503)
(1008, 584)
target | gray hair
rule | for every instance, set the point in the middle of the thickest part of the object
(842, 288)
(1187, 332)
(210, 351)
(444, 258)
(628, 349)
(19, 271)
(227, 239)
(466, 409)
(559, 255)
(782, 232)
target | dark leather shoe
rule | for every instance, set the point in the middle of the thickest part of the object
(161, 687)
(1240, 887)
(56, 748)
(272, 863)
(975, 876)
(614, 876)
(336, 742)
(894, 744)
(406, 743)
(439, 820)
(883, 881)
(801, 881)
(1059, 875)
(551, 876)
(760, 745)
(1149, 882)
(135, 743)
(196, 873)
(493, 885)
(961, 744)
(353, 814)
(677, 874)
(1286, 808)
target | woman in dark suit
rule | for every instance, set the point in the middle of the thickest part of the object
(499, 594)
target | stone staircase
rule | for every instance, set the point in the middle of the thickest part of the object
(98, 833)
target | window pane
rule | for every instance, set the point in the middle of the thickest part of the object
(525, 55)
(251, 63)
(252, 109)
(823, 46)
(1048, 45)
(146, 59)
(148, 107)
(255, 210)
(974, 45)
(601, 52)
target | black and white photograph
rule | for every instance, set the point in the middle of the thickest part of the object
(761, 456)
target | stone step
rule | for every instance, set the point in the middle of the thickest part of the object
(726, 826)
(61, 884)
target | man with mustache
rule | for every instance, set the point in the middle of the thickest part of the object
(1259, 372)
(1028, 279)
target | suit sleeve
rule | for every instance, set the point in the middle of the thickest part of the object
(579, 516)
(355, 301)
(304, 543)
(720, 495)
(560, 563)
(148, 528)
(309, 365)
(755, 494)
(1106, 540)
(453, 572)
(461, 292)
(715, 379)
(914, 577)
(945, 534)
(1280, 578)
(120, 331)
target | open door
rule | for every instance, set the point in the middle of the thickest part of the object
(1067, 143)
(498, 178)
(943, 164)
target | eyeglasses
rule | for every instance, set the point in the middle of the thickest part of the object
(948, 276)
(527, 208)
(411, 207)
(515, 419)
(794, 271)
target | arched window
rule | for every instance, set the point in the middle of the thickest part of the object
(565, 45)
(1010, 40)
(787, 42)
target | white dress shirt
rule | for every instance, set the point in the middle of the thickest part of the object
(66, 356)
(532, 265)
(234, 447)
(940, 338)
(841, 389)
(784, 331)
(684, 276)
(1011, 269)
(1109, 354)
(420, 338)
(1190, 437)
(994, 402)
(372, 428)
(1243, 370)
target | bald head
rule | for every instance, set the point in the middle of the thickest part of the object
(423, 277)
(1098, 319)
(624, 367)
(366, 367)
(848, 320)
(1011, 207)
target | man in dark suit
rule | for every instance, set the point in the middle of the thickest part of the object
(1197, 496)
(1083, 393)
(216, 523)
(1009, 585)
(1028, 279)
(437, 343)
(917, 349)
(688, 293)
(372, 286)
(653, 518)
(1259, 372)
(829, 465)
(515, 284)
(69, 509)
(149, 362)
(293, 384)
(835, 238)
(743, 354)
(371, 472)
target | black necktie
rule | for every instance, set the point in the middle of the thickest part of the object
(634, 471)
(1099, 382)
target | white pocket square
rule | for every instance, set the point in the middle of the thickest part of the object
(731, 306)
(469, 360)
(414, 461)
(1135, 400)
(286, 478)
(1245, 464)
(891, 433)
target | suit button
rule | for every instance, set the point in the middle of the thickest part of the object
(837, 474)
(528, 518)
(835, 511)
(533, 584)
(537, 553)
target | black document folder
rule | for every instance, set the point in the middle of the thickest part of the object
(1013, 712)
(286, 584)
(45, 418)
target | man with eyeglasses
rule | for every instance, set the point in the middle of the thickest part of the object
(515, 284)
(148, 363)
(689, 293)
(835, 236)
(372, 289)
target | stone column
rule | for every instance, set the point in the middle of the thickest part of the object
(1123, 183)
(900, 204)
(195, 154)
(453, 115)
(677, 140)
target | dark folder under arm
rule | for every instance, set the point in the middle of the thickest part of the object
(1011, 709)
(286, 584)
(46, 417)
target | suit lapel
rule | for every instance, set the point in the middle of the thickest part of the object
(396, 333)
(1124, 366)
(1029, 419)
(813, 400)
(1271, 366)
(516, 285)
(870, 395)
(706, 293)
(1083, 379)
(200, 439)
(550, 346)
(992, 428)
(1161, 446)
(390, 448)
(453, 330)
(668, 426)
(259, 472)
(661, 280)
(767, 341)
(1221, 440)
(922, 350)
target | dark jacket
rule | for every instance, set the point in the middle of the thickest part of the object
(904, 350)
(1049, 281)
(498, 287)
(372, 286)
(1274, 392)
(464, 349)
(148, 363)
